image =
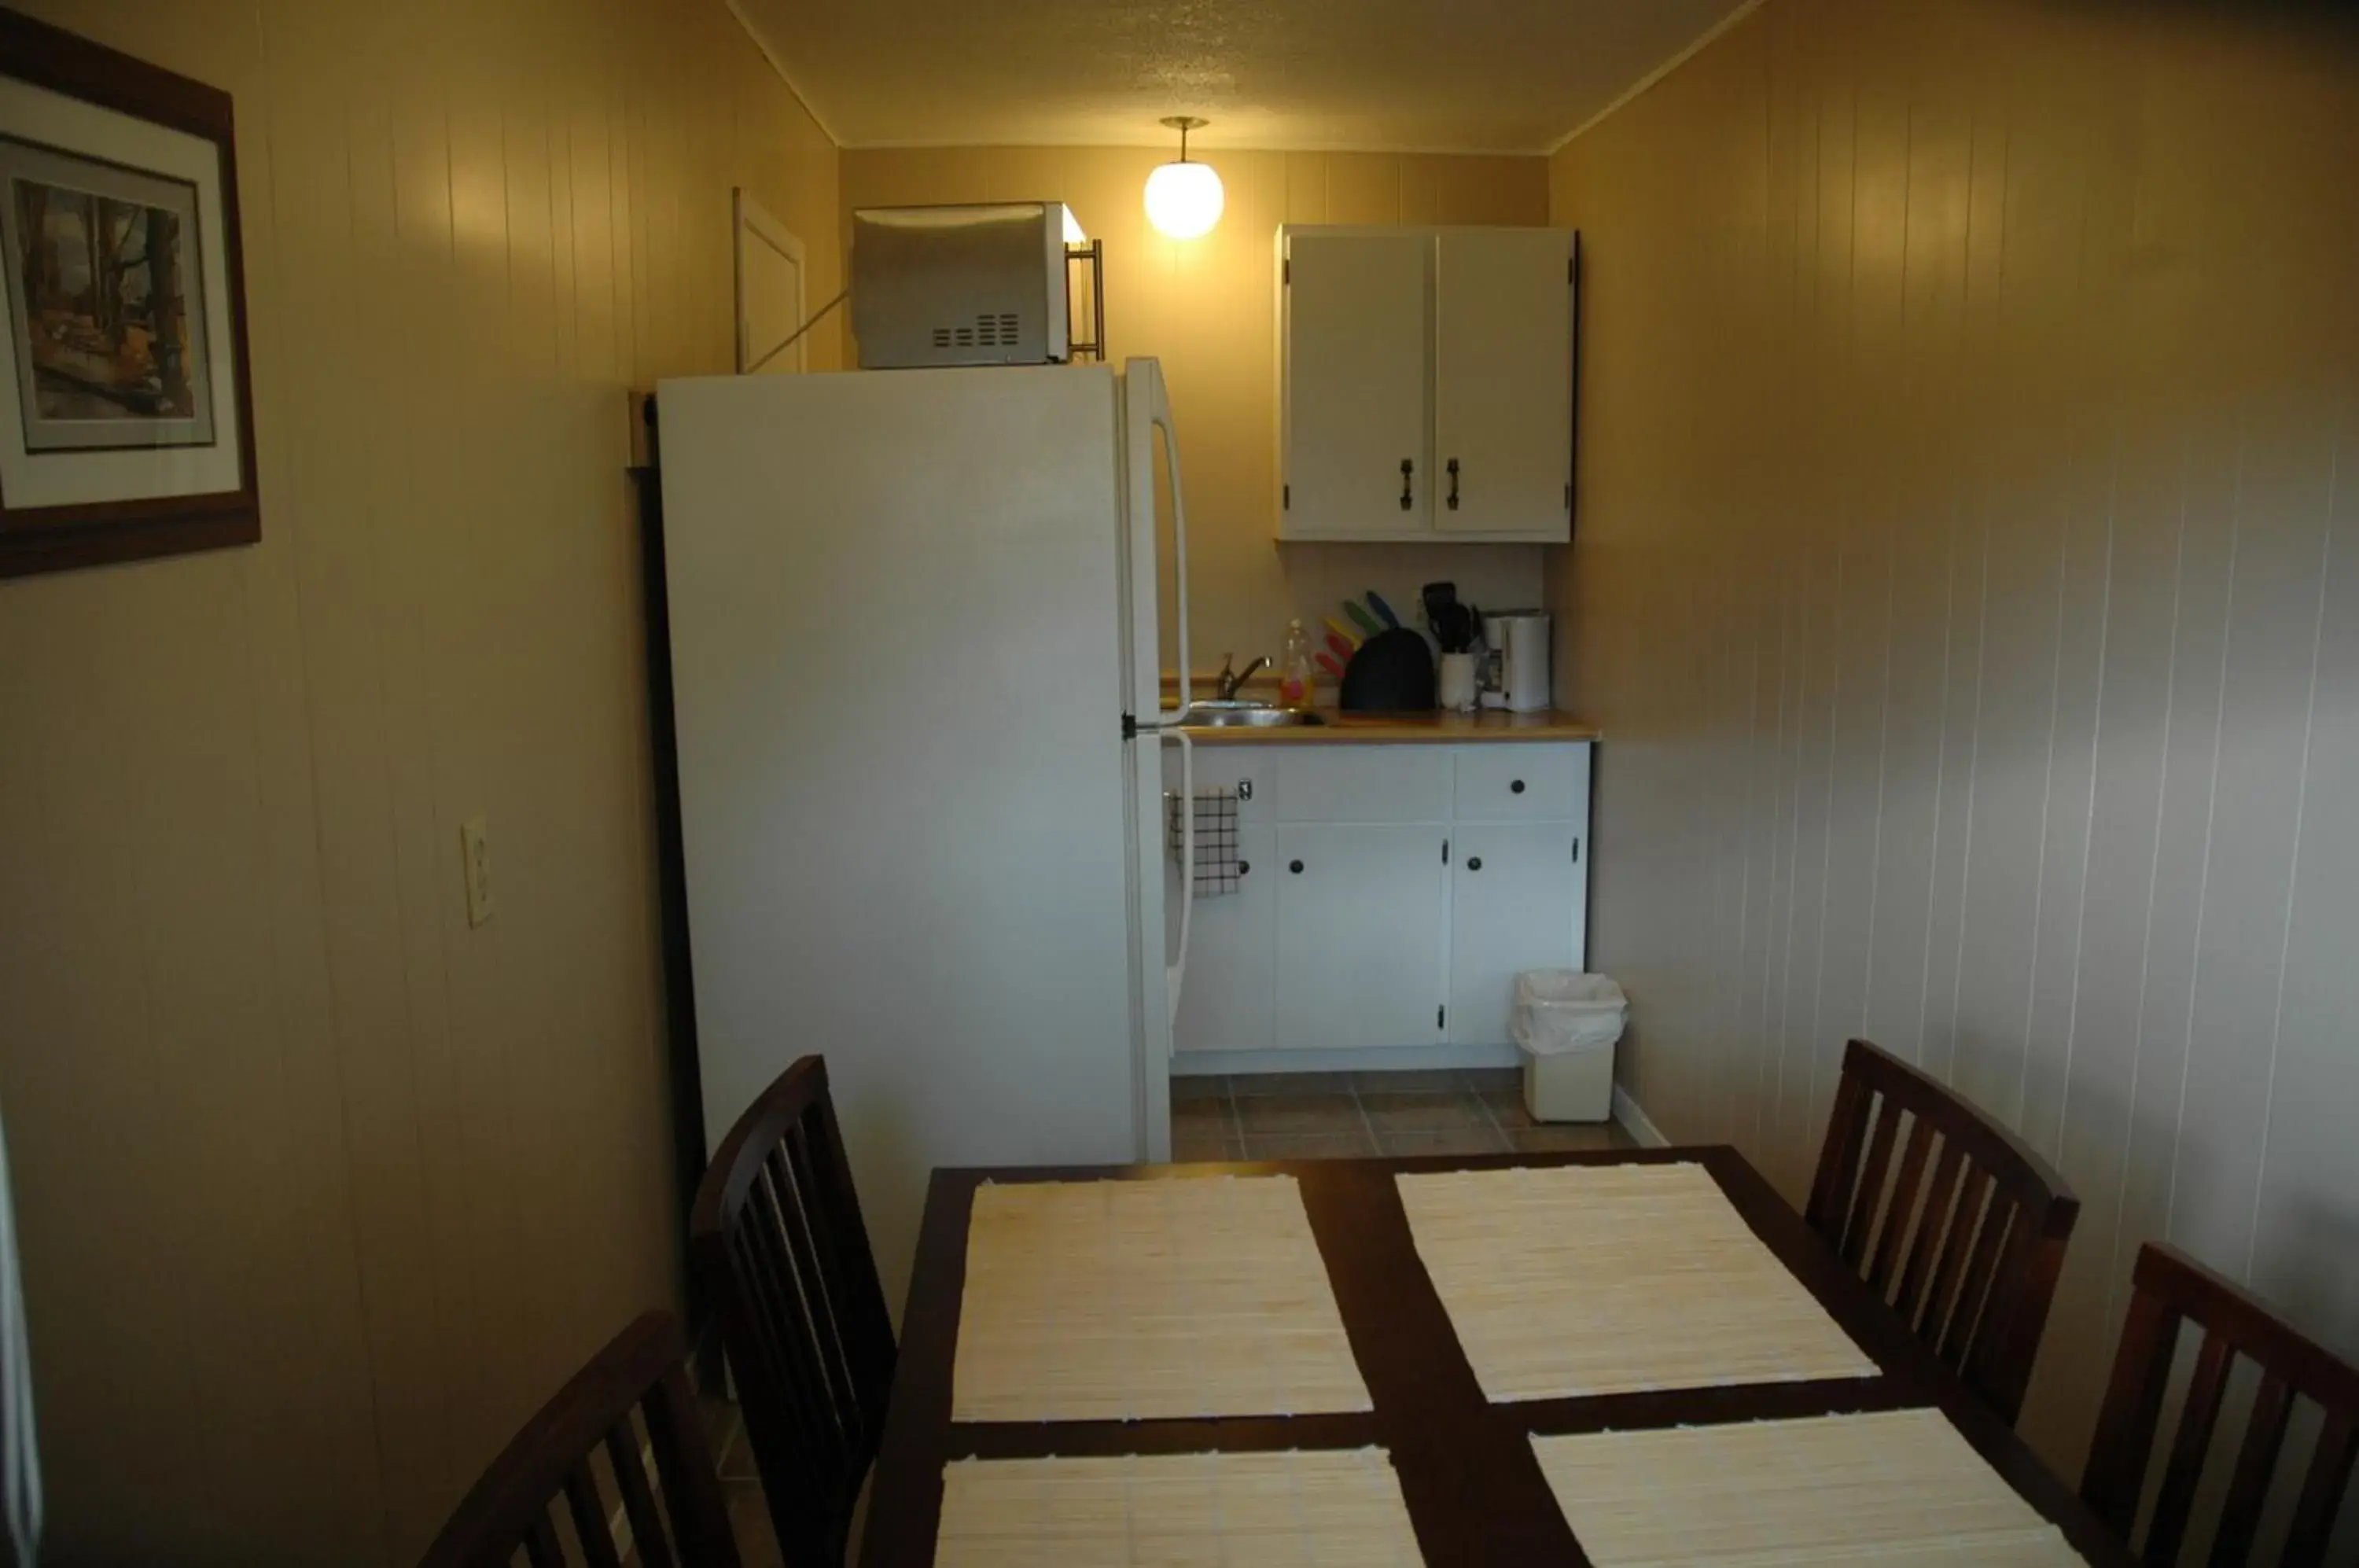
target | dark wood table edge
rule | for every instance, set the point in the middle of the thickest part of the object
(1453, 1471)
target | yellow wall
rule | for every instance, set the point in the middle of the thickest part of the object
(1207, 308)
(1968, 583)
(322, 1191)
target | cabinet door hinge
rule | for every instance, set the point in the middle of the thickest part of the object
(1570, 274)
(1286, 270)
(1576, 852)
(1445, 852)
(1286, 498)
(1440, 1014)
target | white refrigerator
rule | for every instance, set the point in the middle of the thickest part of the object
(918, 706)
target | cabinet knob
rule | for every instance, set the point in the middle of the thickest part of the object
(1475, 862)
(1295, 867)
(1244, 867)
(1516, 787)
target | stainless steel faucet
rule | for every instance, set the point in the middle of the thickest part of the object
(1226, 684)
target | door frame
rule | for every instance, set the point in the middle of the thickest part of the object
(752, 224)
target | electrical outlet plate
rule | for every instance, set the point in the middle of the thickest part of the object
(475, 847)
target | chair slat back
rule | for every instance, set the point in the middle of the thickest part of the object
(778, 1242)
(1969, 1259)
(2170, 1291)
(545, 1500)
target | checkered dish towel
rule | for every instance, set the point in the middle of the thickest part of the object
(1216, 838)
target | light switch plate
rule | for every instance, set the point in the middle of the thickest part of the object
(475, 847)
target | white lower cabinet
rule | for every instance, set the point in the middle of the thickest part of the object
(1515, 891)
(1359, 912)
(1428, 878)
(1226, 1000)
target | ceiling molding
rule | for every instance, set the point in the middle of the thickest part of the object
(1415, 77)
(1639, 88)
(1170, 144)
(746, 25)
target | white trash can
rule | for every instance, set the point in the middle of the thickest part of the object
(1566, 1024)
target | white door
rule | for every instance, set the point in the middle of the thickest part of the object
(1354, 459)
(1515, 891)
(1503, 382)
(1229, 1002)
(770, 299)
(1360, 912)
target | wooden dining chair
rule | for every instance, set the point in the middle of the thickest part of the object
(542, 1496)
(1969, 1260)
(2168, 1290)
(777, 1240)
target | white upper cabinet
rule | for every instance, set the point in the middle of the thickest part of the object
(1503, 382)
(1403, 351)
(1359, 439)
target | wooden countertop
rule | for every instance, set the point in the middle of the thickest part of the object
(1403, 729)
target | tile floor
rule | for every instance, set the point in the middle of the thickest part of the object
(1323, 1116)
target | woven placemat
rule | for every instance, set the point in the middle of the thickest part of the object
(1174, 1510)
(1118, 1301)
(1895, 1487)
(1569, 1280)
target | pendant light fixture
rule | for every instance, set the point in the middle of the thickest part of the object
(1184, 198)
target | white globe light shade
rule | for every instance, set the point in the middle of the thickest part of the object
(1184, 199)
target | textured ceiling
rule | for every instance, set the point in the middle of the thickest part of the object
(1373, 75)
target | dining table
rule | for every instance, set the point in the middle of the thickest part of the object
(1475, 1491)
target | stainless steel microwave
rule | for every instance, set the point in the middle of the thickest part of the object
(983, 284)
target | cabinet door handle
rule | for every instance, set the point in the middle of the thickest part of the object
(1409, 471)
(1516, 787)
(1295, 867)
(1454, 484)
(1473, 862)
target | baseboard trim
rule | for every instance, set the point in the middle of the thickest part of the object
(1373, 1058)
(1633, 1120)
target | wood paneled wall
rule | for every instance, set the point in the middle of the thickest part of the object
(1966, 577)
(1207, 308)
(321, 1190)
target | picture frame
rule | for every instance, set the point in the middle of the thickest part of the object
(126, 407)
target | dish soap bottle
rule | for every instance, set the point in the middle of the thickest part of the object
(1294, 669)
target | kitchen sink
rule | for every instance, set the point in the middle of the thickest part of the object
(1244, 716)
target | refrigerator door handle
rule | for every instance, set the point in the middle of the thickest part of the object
(1149, 408)
(1160, 412)
(1175, 974)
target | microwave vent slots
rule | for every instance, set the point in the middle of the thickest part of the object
(1001, 331)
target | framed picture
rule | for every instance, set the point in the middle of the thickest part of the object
(126, 417)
